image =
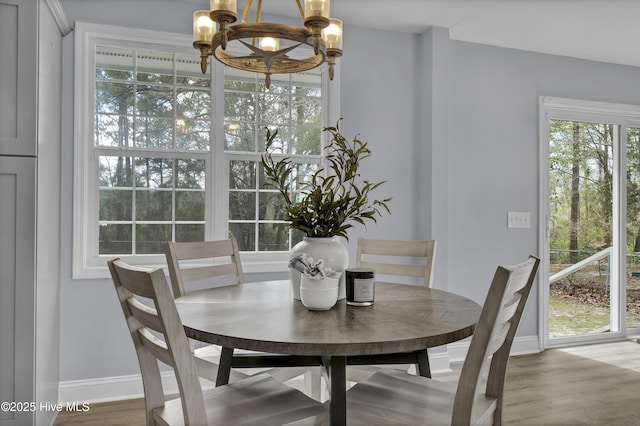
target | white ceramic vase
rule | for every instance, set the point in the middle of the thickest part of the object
(331, 250)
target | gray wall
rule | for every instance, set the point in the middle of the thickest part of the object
(454, 130)
(493, 151)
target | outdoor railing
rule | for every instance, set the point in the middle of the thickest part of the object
(580, 265)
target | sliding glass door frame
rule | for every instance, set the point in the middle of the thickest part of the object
(621, 117)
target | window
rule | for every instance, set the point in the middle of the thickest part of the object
(163, 152)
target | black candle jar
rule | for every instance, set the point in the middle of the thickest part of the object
(360, 283)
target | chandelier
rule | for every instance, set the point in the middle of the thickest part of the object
(321, 33)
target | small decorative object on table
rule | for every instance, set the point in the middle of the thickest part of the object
(360, 286)
(318, 285)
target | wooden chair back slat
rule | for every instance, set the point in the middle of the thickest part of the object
(400, 258)
(407, 270)
(145, 315)
(203, 272)
(218, 259)
(156, 346)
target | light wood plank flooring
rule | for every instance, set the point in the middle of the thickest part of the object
(579, 386)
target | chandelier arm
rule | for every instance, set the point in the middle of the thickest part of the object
(258, 15)
(258, 11)
(245, 13)
(300, 9)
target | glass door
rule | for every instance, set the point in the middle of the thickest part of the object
(633, 231)
(582, 292)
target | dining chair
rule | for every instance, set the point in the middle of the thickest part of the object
(397, 259)
(158, 335)
(219, 262)
(401, 261)
(395, 397)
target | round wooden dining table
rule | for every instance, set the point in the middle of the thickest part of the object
(263, 316)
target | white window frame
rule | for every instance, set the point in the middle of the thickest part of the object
(87, 264)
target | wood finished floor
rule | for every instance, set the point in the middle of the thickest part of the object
(595, 385)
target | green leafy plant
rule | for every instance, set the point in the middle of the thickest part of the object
(336, 198)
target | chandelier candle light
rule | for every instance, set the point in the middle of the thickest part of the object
(320, 32)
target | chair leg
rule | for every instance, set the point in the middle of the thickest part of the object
(313, 383)
(422, 366)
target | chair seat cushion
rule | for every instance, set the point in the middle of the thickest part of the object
(395, 397)
(258, 400)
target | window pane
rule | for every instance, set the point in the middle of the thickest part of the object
(154, 133)
(296, 236)
(245, 234)
(274, 237)
(191, 174)
(151, 239)
(190, 205)
(248, 84)
(304, 175)
(113, 97)
(192, 103)
(242, 174)
(115, 205)
(189, 73)
(239, 106)
(301, 175)
(153, 205)
(115, 171)
(272, 206)
(193, 135)
(114, 63)
(306, 141)
(113, 130)
(115, 239)
(240, 136)
(154, 101)
(275, 108)
(280, 144)
(306, 108)
(154, 172)
(155, 67)
(242, 205)
(189, 233)
(581, 185)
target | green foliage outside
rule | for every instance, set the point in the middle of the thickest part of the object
(582, 178)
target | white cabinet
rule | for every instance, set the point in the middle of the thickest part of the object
(30, 97)
(17, 290)
(18, 74)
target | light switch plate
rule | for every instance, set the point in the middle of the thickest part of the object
(519, 220)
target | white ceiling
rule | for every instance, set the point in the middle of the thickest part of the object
(601, 30)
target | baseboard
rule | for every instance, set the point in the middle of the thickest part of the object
(525, 345)
(129, 387)
(521, 346)
(110, 388)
